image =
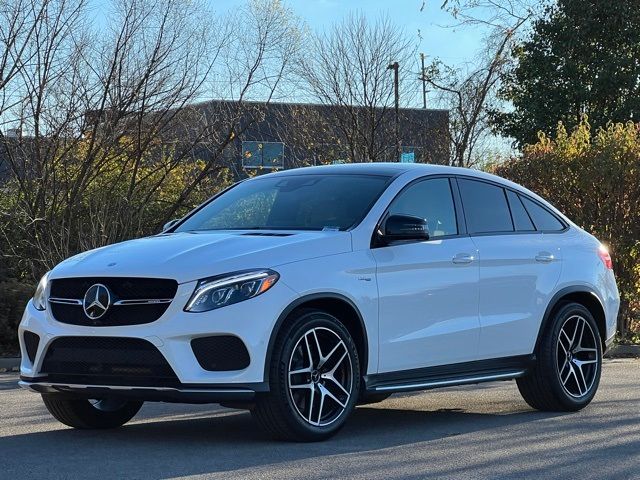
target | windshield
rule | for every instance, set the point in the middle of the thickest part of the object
(296, 202)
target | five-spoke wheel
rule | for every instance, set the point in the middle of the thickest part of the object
(577, 356)
(320, 376)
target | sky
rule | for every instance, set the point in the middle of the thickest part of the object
(433, 29)
(453, 46)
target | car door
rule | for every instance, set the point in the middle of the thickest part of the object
(519, 267)
(428, 290)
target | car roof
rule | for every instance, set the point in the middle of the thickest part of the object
(394, 169)
(371, 168)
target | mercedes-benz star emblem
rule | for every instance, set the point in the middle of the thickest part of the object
(96, 301)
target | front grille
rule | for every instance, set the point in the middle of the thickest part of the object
(116, 315)
(31, 341)
(120, 289)
(220, 353)
(107, 361)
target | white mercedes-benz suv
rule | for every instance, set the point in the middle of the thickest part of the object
(300, 294)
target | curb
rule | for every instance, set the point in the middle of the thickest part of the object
(9, 364)
(624, 351)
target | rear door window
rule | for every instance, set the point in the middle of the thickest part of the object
(485, 207)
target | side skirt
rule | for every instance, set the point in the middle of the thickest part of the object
(480, 371)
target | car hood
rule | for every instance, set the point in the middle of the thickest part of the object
(188, 256)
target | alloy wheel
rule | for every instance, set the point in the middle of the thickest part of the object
(577, 356)
(320, 376)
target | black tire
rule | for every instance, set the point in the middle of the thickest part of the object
(85, 414)
(543, 387)
(278, 412)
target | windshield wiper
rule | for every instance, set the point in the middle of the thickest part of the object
(317, 229)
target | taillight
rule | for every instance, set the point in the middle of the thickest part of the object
(603, 253)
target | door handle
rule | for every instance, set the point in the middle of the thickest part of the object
(462, 258)
(544, 257)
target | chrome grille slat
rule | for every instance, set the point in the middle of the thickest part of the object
(66, 301)
(144, 301)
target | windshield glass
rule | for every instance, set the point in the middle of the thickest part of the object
(296, 202)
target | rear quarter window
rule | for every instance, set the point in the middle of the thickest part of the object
(521, 219)
(543, 219)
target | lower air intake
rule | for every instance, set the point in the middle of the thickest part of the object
(107, 361)
(31, 341)
(220, 353)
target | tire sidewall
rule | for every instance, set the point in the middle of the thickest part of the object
(279, 384)
(550, 360)
(80, 413)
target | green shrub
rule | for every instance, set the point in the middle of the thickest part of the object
(47, 218)
(594, 178)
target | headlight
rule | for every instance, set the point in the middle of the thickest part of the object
(216, 292)
(39, 300)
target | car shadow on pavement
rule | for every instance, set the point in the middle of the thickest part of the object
(227, 441)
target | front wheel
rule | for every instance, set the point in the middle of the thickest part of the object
(568, 364)
(314, 379)
(90, 414)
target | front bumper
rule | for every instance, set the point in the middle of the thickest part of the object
(182, 394)
(252, 321)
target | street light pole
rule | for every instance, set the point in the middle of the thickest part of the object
(424, 83)
(394, 66)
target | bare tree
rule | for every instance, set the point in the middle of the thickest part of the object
(19, 21)
(113, 140)
(257, 62)
(349, 67)
(469, 92)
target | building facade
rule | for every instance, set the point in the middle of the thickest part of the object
(288, 135)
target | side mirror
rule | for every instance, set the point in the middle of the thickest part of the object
(169, 224)
(405, 227)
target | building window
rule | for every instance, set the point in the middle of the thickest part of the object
(269, 155)
(408, 155)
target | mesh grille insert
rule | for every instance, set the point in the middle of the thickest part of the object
(107, 361)
(121, 287)
(31, 341)
(220, 353)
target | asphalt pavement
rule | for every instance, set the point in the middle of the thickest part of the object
(484, 431)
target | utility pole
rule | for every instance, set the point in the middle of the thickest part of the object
(424, 83)
(394, 66)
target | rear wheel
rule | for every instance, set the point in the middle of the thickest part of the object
(568, 364)
(90, 414)
(314, 379)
